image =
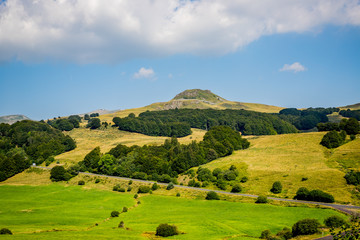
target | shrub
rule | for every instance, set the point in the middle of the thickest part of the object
(304, 179)
(305, 227)
(266, 234)
(81, 182)
(170, 186)
(276, 187)
(236, 188)
(121, 189)
(121, 224)
(125, 209)
(261, 199)
(229, 175)
(166, 230)
(352, 177)
(130, 182)
(4, 231)
(114, 214)
(155, 186)
(212, 196)
(285, 233)
(129, 188)
(178, 194)
(165, 178)
(221, 184)
(352, 137)
(334, 221)
(116, 187)
(314, 195)
(302, 194)
(191, 183)
(136, 196)
(97, 180)
(244, 179)
(58, 173)
(216, 172)
(197, 184)
(204, 174)
(144, 189)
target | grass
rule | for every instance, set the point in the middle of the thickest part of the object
(56, 211)
(87, 140)
(289, 158)
(347, 155)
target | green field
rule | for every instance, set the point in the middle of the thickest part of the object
(56, 211)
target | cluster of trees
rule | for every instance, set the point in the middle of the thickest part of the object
(353, 177)
(92, 115)
(308, 118)
(177, 122)
(314, 195)
(333, 139)
(306, 226)
(151, 127)
(28, 141)
(66, 124)
(350, 114)
(163, 162)
(351, 126)
(94, 123)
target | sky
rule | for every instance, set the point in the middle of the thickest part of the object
(64, 57)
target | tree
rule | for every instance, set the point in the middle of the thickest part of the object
(352, 126)
(86, 117)
(5, 231)
(144, 189)
(276, 187)
(305, 227)
(91, 160)
(94, 123)
(236, 188)
(266, 234)
(166, 230)
(334, 221)
(261, 199)
(114, 214)
(58, 173)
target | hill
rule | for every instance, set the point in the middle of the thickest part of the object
(352, 107)
(195, 98)
(10, 119)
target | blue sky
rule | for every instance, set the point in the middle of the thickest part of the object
(50, 68)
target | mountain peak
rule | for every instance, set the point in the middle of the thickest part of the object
(199, 94)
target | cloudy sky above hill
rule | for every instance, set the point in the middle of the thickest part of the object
(66, 57)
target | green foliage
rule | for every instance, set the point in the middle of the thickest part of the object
(266, 234)
(348, 231)
(178, 194)
(332, 139)
(114, 214)
(59, 173)
(221, 184)
(97, 180)
(305, 227)
(91, 161)
(229, 175)
(352, 137)
(204, 174)
(144, 189)
(329, 126)
(276, 187)
(49, 160)
(81, 182)
(166, 230)
(261, 199)
(125, 209)
(244, 179)
(155, 186)
(216, 172)
(129, 189)
(314, 195)
(5, 231)
(352, 126)
(121, 224)
(170, 186)
(236, 188)
(285, 234)
(93, 115)
(334, 221)
(86, 117)
(94, 123)
(212, 196)
(136, 196)
(353, 177)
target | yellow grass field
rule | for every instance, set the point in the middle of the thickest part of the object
(87, 140)
(289, 158)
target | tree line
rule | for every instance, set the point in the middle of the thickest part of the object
(178, 122)
(164, 162)
(28, 141)
(350, 114)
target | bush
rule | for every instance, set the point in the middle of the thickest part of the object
(276, 187)
(352, 137)
(266, 234)
(334, 221)
(216, 172)
(125, 209)
(304, 179)
(4, 231)
(229, 175)
(236, 188)
(130, 182)
(58, 173)
(332, 139)
(97, 180)
(121, 224)
(136, 196)
(129, 188)
(285, 233)
(352, 177)
(314, 195)
(114, 214)
(116, 187)
(144, 189)
(212, 196)
(170, 186)
(155, 186)
(244, 179)
(178, 194)
(166, 230)
(305, 227)
(221, 184)
(261, 199)
(121, 189)
(81, 182)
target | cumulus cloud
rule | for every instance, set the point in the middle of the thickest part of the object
(295, 67)
(147, 73)
(92, 31)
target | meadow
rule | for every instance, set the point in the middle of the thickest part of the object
(62, 211)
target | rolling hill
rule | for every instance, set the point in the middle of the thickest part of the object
(10, 119)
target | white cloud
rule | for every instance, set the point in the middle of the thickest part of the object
(145, 73)
(91, 31)
(295, 67)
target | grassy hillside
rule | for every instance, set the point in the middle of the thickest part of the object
(291, 157)
(10, 119)
(72, 212)
(87, 140)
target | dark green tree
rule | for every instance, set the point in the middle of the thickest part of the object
(94, 123)
(305, 227)
(276, 187)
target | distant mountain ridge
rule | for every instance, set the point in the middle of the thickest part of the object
(10, 119)
(352, 107)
